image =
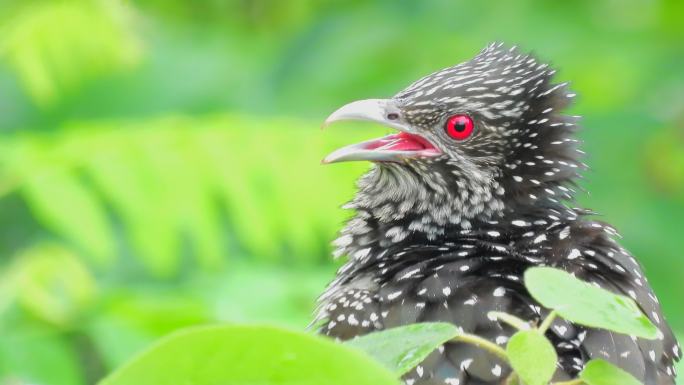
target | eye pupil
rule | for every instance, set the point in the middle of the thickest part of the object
(459, 127)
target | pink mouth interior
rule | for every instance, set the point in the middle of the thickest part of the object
(402, 141)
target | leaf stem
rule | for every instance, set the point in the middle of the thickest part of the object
(546, 324)
(482, 344)
(510, 319)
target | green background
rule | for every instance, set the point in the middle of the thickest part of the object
(159, 159)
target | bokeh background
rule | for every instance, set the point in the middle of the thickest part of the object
(159, 159)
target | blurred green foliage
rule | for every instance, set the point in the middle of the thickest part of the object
(159, 159)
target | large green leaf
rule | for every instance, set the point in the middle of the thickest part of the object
(132, 319)
(583, 303)
(401, 349)
(532, 357)
(213, 355)
(600, 372)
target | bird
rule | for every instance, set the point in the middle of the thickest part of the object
(476, 184)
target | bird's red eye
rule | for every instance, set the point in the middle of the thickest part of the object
(459, 127)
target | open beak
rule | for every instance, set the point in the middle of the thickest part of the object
(405, 144)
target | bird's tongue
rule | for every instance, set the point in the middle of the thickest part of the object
(400, 142)
(391, 148)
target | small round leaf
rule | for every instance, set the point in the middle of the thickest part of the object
(585, 304)
(600, 372)
(532, 357)
(401, 349)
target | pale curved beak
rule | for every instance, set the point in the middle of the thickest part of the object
(383, 111)
(391, 148)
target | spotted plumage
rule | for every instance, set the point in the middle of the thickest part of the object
(444, 229)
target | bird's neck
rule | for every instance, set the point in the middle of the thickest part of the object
(392, 209)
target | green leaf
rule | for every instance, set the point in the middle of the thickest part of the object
(180, 189)
(401, 349)
(532, 357)
(95, 39)
(124, 176)
(134, 318)
(585, 304)
(225, 355)
(53, 284)
(600, 372)
(54, 197)
(36, 355)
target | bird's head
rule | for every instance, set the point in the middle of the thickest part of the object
(473, 140)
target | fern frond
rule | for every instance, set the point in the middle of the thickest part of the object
(222, 185)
